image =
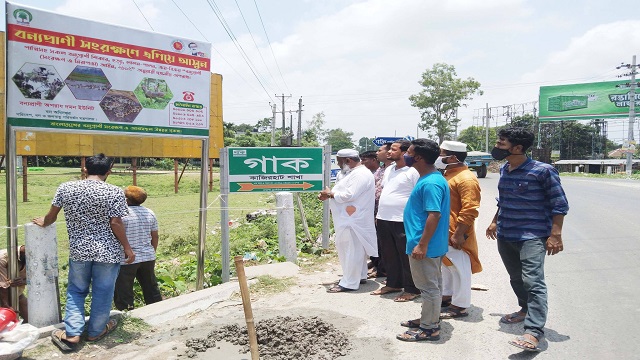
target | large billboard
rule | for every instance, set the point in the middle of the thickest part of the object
(68, 73)
(600, 100)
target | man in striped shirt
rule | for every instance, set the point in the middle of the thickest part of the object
(528, 223)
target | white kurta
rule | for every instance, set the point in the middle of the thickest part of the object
(456, 279)
(352, 210)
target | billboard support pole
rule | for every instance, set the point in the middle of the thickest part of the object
(224, 212)
(325, 204)
(632, 114)
(202, 227)
(12, 211)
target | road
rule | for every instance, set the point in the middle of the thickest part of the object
(593, 282)
(593, 286)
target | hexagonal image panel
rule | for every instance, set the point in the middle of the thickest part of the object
(120, 106)
(37, 81)
(88, 83)
(153, 93)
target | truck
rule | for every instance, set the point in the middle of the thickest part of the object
(478, 161)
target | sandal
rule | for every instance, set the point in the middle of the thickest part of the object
(338, 288)
(452, 312)
(385, 290)
(59, 338)
(111, 325)
(513, 318)
(419, 335)
(523, 342)
(406, 297)
(411, 324)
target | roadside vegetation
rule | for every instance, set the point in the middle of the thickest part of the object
(176, 264)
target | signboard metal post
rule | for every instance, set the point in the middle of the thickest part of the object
(202, 235)
(325, 204)
(12, 211)
(224, 213)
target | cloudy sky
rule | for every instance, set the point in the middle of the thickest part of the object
(358, 61)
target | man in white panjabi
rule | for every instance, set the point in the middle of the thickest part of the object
(352, 201)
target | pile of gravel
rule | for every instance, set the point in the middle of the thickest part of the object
(281, 338)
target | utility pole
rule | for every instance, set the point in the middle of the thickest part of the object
(290, 133)
(486, 129)
(283, 137)
(273, 125)
(300, 121)
(632, 109)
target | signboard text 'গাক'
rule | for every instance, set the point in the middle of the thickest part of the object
(292, 163)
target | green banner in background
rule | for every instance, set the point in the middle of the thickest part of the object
(600, 100)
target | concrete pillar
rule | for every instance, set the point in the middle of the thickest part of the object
(608, 170)
(41, 248)
(286, 226)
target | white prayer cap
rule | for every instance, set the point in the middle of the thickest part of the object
(454, 146)
(347, 153)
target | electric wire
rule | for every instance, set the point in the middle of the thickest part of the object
(257, 48)
(214, 7)
(141, 13)
(270, 47)
(214, 48)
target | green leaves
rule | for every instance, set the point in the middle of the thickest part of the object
(443, 93)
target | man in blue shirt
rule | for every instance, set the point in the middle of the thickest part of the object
(528, 223)
(426, 223)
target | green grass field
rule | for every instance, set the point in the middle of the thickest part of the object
(178, 217)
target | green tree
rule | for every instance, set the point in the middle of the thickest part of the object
(339, 139)
(475, 137)
(442, 94)
(365, 144)
(315, 128)
(264, 124)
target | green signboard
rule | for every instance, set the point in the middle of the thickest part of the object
(275, 169)
(585, 101)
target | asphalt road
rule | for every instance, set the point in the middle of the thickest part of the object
(594, 283)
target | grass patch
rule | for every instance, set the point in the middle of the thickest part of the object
(129, 329)
(267, 285)
(178, 218)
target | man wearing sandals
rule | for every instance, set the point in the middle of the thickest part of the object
(462, 256)
(93, 212)
(528, 223)
(398, 182)
(426, 222)
(352, 201)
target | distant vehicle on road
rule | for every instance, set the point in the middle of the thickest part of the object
(478, 161)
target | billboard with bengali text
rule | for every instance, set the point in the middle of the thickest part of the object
(602, 100)
(68, 73)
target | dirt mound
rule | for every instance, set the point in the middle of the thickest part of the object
(281, 338)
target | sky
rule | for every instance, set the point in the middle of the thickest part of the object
(358, 61)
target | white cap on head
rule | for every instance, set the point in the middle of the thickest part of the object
(455, 146)
(348, 153)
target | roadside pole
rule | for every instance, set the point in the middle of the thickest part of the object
(202, 227)
(224, 212)
(325, 204)
(286, 226)
(12, 211)
(486, 130)
(632, 114)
